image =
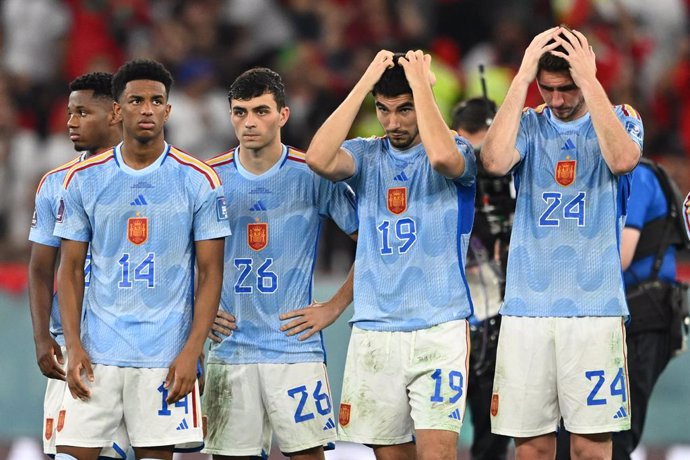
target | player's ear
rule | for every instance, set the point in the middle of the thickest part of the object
(284, 115)
(168, 108)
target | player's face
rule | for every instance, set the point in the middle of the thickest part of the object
(561, 95)
(258, 121)
(144, 109)
(399, 119)
(88, 120)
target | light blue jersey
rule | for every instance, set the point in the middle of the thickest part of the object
(414, 230)
(43, 224)
(269, 262)
(564, 255)
(142, 225)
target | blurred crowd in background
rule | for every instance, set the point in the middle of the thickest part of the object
(321, 48)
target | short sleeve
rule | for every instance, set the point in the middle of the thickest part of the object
(469, 175)
(43, 220)
(211, 214)
(632, 123)
(71, 220)
(357, 148)
(337, 201)
(522, 140)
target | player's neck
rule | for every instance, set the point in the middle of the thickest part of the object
(258, 161)
(139, 155)
(109, 143)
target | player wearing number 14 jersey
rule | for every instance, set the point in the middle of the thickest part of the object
(406, 367)
(259, 380)
(150, 214)
(561, 350)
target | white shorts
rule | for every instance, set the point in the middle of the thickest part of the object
(398, 382)
(135, 397)
(548, 368)
(52, 403)
(244, 404)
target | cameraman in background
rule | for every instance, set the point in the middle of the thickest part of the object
(486, 260)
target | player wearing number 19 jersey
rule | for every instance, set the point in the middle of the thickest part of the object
(150, 213)
(562, 340)
(261, 382)
(406, 367)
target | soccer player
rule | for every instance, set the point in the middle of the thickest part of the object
(93, 127)
(561, 349)
(149, 212)
(406, 371)
(259, 380)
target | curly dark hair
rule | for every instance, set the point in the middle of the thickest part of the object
(393, 82)
(473, 115)
(141, 69)
(100, 82)
(256, 82)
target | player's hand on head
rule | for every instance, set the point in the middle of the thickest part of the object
(50, 359)
(181, 376)
(311, 319)
(538, 46)
(579, 54)
(79, 372)
(382, 61)
(222, 326)
(417, 67)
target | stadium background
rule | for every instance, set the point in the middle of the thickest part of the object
(321, 47)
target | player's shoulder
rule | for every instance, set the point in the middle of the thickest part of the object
(537, 111)
(627, 111)
(194, 167)
(56, 175)
(224, 159)
(296, 158)
(90, 165)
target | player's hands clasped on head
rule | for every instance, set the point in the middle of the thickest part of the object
(222, 326)
(539, 45)
(382, 61)
(417, 67)
(79, 363)
(49, 358)
(579, 54)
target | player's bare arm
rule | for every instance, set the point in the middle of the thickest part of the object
(324, 154)
(182, 373)
(438, 140)
(41, 276)
(222, 326)
(71, 294)
(619, 151)
(499, 154)
(319, 315)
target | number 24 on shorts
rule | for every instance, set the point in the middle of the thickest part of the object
(617, 387)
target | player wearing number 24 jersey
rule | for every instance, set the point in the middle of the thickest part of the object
(562, 341)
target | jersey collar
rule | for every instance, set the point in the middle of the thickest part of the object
(140, 172)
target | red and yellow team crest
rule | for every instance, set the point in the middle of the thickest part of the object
(49, 428)
(61, 420)
(494, 404)
(397, 200)
(344, 415)
(138, 229)
(565, 172)
(257, 235)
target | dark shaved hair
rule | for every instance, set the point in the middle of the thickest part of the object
(101, 83)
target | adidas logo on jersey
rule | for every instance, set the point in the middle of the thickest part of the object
(621, 413)
(455, 415)
(330, 424)
(139, 201)
(258, 206)
(402, 177)
(569, 145)
(183, 425)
